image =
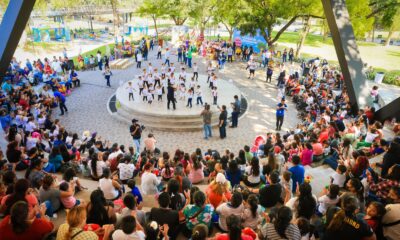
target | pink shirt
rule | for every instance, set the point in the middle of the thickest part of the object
(306, 157)
(68, 202)
(196, 176)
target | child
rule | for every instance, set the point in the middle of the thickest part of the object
(199, 98)
(215, 95)
(145, 93)
(159, 93)
(287, 182)
(151, 90)
(192, 84)
(150, 97)
(329, 199)
(129, 227)
(250, 215)
(375, 212)
(182, 92)
(306, 229)
(195, 72)
(71, 201)
(339, 177)
(135, 191)
(131, 89)
(190, 98)
(131, 206)
(163, 68)
(141, 84)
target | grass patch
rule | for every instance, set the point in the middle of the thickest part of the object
(394, 53)
(311, 39)
(93, 52)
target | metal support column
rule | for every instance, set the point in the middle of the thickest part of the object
(11, 28)
(347, 51)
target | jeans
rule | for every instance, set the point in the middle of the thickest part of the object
(108, 81)
(49, 208)
(131, 96)
(139, 64)
(189, 62)
(199, 100)
(215, 100)
(279, 122)
(196, 76)
(159, 55)
(189, 103)
(269, 78)
(230, 58)
(167, 61)
(136, 141)
(222, 131)
(63, 107)
(235, 118)
(179, 57)
(207, 131)
(100, 64)
(332, 161)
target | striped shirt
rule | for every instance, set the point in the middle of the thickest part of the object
(292, 232)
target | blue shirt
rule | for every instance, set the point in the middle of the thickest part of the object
(136, 193)
(281, 112)
(5, 121)
(297, 175)
(58, 95)
(6, 87)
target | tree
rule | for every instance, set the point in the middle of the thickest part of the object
(202, 12)
(392, 24)
(178, 10)
(227, 12)
(114, 6)
(153, 8)
(263, 15)
(359, 11)
(379, 7)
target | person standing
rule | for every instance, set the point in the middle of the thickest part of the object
(139, 59)
(230, 54)
(222, 122)
(61, 101)
(171, 95)
(136, 133)
(291, 55)
(189, 57)
(235, 112)
(270, 71)
(167, 53)
(99, 60)
(206, 114)
(280, 113)
(107, 75)
(159, 49)
(251, 65)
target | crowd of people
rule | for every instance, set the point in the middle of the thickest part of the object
(258, 192)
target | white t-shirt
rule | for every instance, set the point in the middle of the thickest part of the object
(100, 165)
(108, 189)
(125, 170)
(120, 235)
(225, 210)
(139, 57)
(339, 179)
(370, 137)
(325, 202)
(30, 126)
(250, 177)
(149, 183)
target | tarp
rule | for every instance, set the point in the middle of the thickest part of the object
(249, 40)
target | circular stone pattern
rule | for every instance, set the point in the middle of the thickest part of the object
(157, 116)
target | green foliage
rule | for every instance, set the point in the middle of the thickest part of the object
(391, 77)
(358, 11)
(152, 8)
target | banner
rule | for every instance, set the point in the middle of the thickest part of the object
(249, 40)
(46, 35)
(36, 35)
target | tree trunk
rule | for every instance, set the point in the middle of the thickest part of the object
(115, 17)
(373, 33)
(283, 29)
(155, 25)
(389, 37)
(304, 33)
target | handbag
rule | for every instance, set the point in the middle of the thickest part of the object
(182, 218)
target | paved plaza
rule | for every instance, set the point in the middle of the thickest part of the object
(88, 109)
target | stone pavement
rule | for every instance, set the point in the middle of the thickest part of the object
(88, 110)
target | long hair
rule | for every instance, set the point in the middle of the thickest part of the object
(307, 203)
(255, 166)
(98, 213)
(233, 223)
(282, 221)
(93, 164)
(252, 200)
(19, 216)
(20, 188)
(349, 206)
(75, 216)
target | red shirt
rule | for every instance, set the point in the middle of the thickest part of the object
(38, 229)
(323, 136)
(225, 236)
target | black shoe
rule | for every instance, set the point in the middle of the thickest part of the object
(231, 126)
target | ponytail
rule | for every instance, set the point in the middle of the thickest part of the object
(337, 220)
